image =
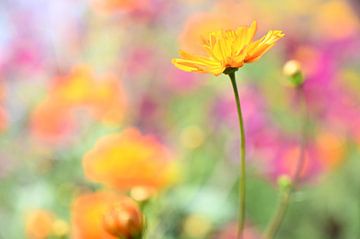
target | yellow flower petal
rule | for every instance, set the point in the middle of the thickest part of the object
(258, 48)
(228, 49)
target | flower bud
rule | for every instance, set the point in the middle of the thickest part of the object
(284, 182)
(124, 219)
(292, 69)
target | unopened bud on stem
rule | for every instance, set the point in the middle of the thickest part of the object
(284, 182)
(124, 219)
(292, 69)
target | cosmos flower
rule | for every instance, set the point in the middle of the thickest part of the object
(228, 49)
(129, 159)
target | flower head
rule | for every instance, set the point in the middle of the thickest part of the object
(229, 49)
(130, 159)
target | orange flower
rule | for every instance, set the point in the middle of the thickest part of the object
(129, 159)
(87, 215)
(331, 149)
(124, 219)
(39, 224)
(228, 49)
(335, 19)
(103, 98)
(51, 120)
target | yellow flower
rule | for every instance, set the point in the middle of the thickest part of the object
(229, 49)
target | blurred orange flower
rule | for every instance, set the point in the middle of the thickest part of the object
(335, 20)
(323, 155)
(228, 49)
(130, 159)
(124, 219)
(51, 120)
(331, 149)
(39, 224)
(103, 98)
(87, 215)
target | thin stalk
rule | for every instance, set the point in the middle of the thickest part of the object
(279, 216)
(242, 177)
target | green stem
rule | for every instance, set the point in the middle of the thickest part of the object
(279, 216)
(242, 178)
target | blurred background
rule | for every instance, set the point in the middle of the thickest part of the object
(80, 76)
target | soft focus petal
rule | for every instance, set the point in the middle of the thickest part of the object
(258, 48)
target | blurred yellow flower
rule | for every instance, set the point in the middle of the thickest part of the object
(87, 215)
(130, 159)
(228, 49)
